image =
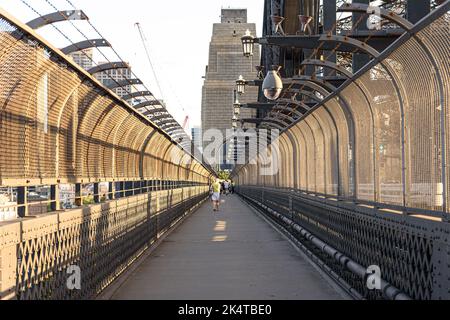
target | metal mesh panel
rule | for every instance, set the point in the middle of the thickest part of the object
(58, 125)
(382, 97)
(422, 118)
(102, 240)
(432, 37)
(406, 249)
(343, 136)
(364, 147)
(319, 155)
(331, 157)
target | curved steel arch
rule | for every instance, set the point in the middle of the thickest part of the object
(286, 107)
(148, 103)
(364, 47)
(57, 16)
(386, 14)
(108, 66)
(82, 45)
(137, 94)
(123, 83)
(321, 82)
(328, 64)
(313, 85)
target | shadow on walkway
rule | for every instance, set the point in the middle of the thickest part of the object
(230, 255)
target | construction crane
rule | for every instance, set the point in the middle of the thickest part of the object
(186, 120)
(144, 43)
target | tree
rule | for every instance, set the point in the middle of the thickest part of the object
(224, 175)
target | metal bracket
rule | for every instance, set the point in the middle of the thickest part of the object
(57, 16)
(136, 95)
(82, 45)
(109, 66)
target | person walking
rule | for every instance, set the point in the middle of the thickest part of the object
(226, 186)
(215, 197)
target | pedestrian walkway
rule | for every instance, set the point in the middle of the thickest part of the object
(232, 254)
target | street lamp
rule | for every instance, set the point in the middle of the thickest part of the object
(247, 43)
(240, 85)
(272, 84)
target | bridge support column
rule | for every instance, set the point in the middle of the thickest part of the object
(96, 192)
(359, 60)
(22, 201)
(111, 191)
(78, 195)
(129, 186)
(54, 197)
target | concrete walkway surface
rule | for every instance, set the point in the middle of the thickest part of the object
(230, 255)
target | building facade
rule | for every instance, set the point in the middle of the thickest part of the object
(109, 76)
(83, 58)
(226, 63)
(197, 138)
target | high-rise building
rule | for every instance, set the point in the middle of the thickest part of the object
(83, 58)
(197, 138)
(109, 76)
(226, 63)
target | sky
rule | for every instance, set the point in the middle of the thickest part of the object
(178, 33)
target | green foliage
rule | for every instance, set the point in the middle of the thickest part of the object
(224, 175)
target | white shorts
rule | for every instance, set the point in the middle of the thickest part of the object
(215, 196)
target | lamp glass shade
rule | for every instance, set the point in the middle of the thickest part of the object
(247, 44)
(240, 85)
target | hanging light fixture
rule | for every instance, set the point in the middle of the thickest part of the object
(272, 84)
(247, 43)
(240, 85)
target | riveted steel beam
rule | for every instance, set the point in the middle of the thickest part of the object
(328, 64)
(57, 16)
(148, 104)
(86, 44)
(109, 66)
(361, 46)
(386, 14)
(137, 95)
